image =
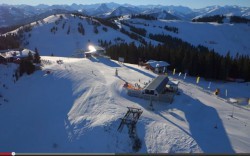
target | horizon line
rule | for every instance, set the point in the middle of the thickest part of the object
(122, 4)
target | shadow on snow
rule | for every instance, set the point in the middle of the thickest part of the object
(105, 61)
(205, 125)
(141, 71)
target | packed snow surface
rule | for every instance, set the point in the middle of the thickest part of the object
(221, 38)
(76, 106)
(63, 30)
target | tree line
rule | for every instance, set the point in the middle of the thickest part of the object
(172, 29)
(238, 19)
(144, 16)
(220, 18)
(139, 31)
(133, 36)
(215, 18)
(184, 57)
(108, 23)
(10, 41)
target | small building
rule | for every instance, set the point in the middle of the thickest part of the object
(15, 55)
(172, 86)
(100, 50)
(95, 51)
(157, 86)
(121, 60)
(160, 89)
(157, 66)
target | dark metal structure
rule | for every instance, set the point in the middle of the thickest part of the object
(130, 119)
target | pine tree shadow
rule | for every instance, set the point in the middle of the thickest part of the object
(140, 71)
(105, 61)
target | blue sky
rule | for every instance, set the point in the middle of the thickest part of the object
(189, 3)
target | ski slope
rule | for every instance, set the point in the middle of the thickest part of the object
(221, 38)
(66, 40)
(77, 107)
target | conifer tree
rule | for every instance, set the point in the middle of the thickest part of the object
(30, 56)
(37, 58)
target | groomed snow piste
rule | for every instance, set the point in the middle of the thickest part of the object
(78, 105)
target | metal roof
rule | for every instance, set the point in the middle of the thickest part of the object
(155, 64)
(158, 83)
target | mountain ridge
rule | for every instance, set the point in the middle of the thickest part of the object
(8, 18)
(222, 37)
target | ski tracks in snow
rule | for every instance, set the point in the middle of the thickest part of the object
(163, 138)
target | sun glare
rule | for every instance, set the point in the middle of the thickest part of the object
(91, 48)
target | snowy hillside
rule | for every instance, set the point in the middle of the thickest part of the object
(225, 10)
(63, 29)
(120, 11)
(220, 37)
(78, 106)
(101, 10)
(60, 35)
(163, 15)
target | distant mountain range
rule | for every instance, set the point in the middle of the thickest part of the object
(19, 14)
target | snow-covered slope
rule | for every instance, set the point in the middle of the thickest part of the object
(220, 37)
(125, 11)
(163, 15)
(47, 34)
(78, 106)
(179, 12)
(61, 37)
(225, 10)
(101, 10)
